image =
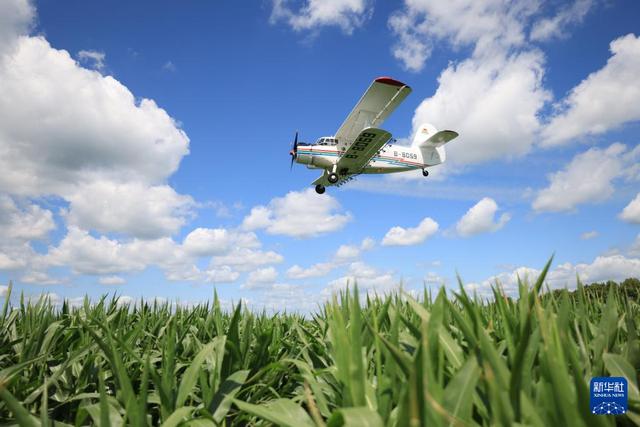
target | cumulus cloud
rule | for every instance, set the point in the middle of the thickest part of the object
(488, 26)
(98, 133)
(245, 259)
(260, 278)
(368, 278)
(470, 96)
(224, 274)
(111, 280)
(132, 208)
(217, 241)
(300, 214)
(631, 212)
(555, 26)
(604, 100)
(86, 254)
(480, 218)
(605, 267)
(92, 58)
(316, 270)
(23, 223)
(344, 254)
(93, 140)
(16, 16)
(588, 178)
(314, 14)
(399, 236)
(233, 252)
(39, 278)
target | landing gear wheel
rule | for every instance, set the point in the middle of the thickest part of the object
(425, 172)
(333, 178)
(320, 189)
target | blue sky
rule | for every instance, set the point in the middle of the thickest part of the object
(146, 143)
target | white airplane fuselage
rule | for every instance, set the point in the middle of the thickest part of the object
(391, 158)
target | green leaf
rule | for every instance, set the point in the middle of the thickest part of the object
(617, 366)
(282, 412)
(178, 416)
(23, 416)
(224, 396)
(458, 395)
(190, 377)
(355, 417)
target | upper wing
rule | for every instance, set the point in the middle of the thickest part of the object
(382, 97)
(366, 146)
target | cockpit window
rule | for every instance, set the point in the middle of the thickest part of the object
(326, 141)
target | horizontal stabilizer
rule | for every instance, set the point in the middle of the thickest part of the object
(441, 138)
(428, 136)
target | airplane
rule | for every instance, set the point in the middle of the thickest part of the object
(361, 147)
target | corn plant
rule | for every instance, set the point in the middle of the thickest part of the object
(445, 359)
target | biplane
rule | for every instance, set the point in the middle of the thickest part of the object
(360, 146)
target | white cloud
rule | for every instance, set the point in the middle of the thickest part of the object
(314, 14)
(399, 236)
(132, 208)
(605, 267)
(367, 244)
(480, 218)
(411, 49)
(16, 17)
(487, 26)
(261, 277)
(508, 282)
(245, 259)
(298, 214)
(217, 241)
(39, 278)
(555, 27)
(98, 133)
(586, 179)
(316, 270)
(85, 254)
(344, 254)
(111, 280)
(278, 297)
(587, 235)
(8, 262)
(631, 212)
(347, 252)
(94, 140)
(473, 94)
(604, 100)
(92, 58)
(434, 278)
(222, 274)
(23, 223)
(368, 278)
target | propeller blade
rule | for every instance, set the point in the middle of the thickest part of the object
(294, 151)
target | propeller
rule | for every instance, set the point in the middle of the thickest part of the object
(294, 150)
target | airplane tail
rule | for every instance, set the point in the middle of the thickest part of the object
(431, 142)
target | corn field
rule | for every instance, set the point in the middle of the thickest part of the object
(440, 360)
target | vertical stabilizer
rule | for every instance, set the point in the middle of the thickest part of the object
(423, 133)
